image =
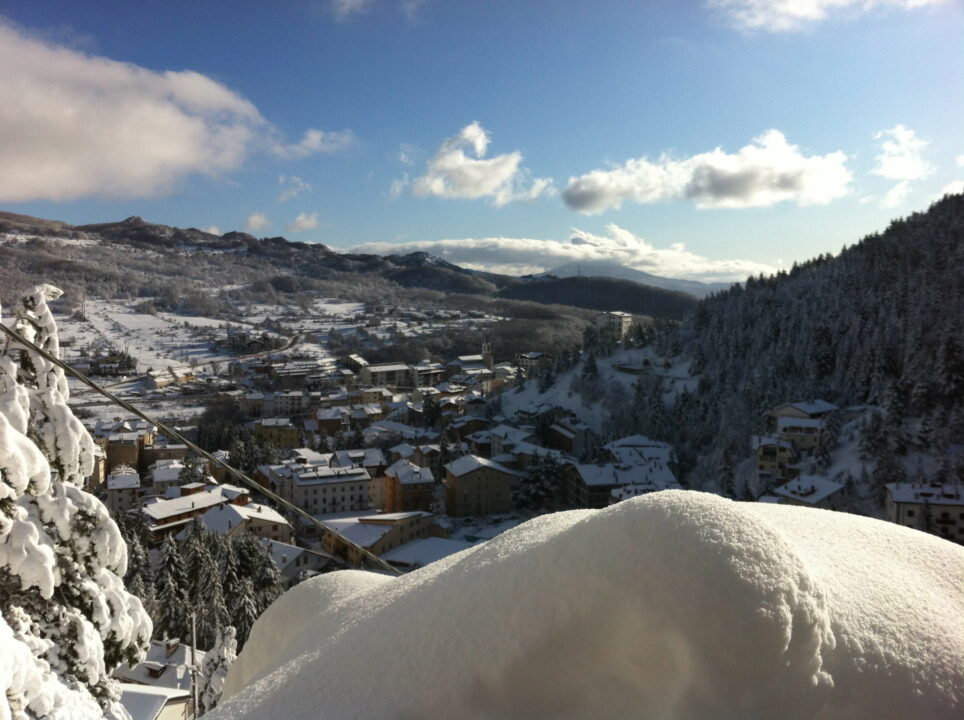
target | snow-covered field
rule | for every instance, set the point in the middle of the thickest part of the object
(675, 605)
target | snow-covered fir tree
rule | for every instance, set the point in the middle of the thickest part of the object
(67, 620)
(214, 668)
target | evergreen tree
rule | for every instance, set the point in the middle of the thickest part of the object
(539, 487)
(243, 610)
(62, 557)
(590, 370)
(214, 669)
(171, 592)
(725, 474)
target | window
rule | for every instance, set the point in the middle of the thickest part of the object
(910, 513)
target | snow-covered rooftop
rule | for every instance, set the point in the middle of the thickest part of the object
(468, 463)
(932, 494)
(420, 552)
(810, 489)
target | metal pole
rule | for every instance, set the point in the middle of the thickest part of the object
(194, 688)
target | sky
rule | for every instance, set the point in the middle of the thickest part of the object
(705, 139)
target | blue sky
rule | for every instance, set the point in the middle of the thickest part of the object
(695, 139)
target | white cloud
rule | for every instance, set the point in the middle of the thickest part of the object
(345, 10)
(291, 186)
(212, 229)
(792, 15)
(952, 188)
(451, 173)
(316, 141)
(518, 256)
(303, 222)
(901, 155)
(74, 125)
(959, 160)
(256, 221)
(763, 173)
(399, 184)
(896, 195)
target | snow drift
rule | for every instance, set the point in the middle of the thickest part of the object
(672, 605)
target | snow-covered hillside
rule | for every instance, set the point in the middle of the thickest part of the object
(672, 605)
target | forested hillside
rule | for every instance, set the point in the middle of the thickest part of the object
(882, 323)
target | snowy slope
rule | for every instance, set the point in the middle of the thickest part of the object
(672, 605)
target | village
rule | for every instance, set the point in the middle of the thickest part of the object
(415, 461)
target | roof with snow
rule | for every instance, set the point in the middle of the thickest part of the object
(409, 473)
(469, 463)
(809, 489)
(226, 518)
(172, 658)
(810, 407)
(421, 552)
(146, 702)
(162, 509)
(931, 493)
(125, 479)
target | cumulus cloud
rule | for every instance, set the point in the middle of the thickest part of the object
(793, 15)
(256, 221)
(213, 230)
(454, 173)
(518, 256)
(901, 155)
(291, 186)
(303, 222)
(74, 125)
(767, 171)
(901, 158)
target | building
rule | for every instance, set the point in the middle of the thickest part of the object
(408, 487)
(477, 486)
(810, 491)
(418, 553)
(927, 506)
(295, 562)
(390, 375)
(811, 409)
(167, 664)
(376, 533)
(526, 362)
(278, 432)
(170, 515)
(146, 702)
(597, 485)
(801, 433)
(123, 490)
(615, 323)
(773, 457)
(259, 520)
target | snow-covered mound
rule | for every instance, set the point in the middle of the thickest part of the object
(671, 605)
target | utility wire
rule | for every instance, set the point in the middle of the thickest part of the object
(173, 434)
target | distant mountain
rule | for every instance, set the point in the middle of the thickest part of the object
(170, 264)
(604, 293)
(605, 268)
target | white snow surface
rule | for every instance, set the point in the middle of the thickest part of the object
(672, 605)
